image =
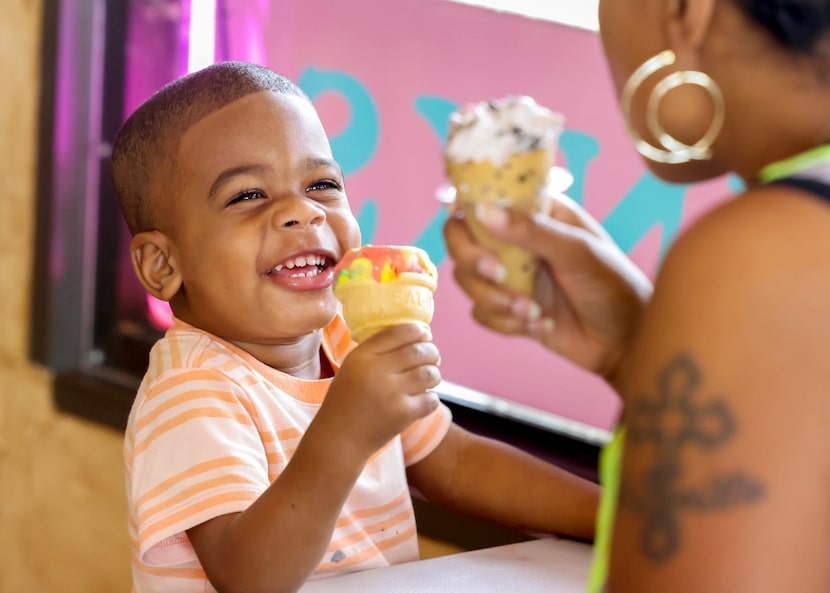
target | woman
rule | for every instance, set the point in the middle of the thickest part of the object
(718, 477)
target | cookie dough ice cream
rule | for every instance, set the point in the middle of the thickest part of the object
(501, 152)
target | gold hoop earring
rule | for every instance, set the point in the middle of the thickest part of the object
(673, 151)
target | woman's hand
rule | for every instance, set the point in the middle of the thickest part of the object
(589, 295)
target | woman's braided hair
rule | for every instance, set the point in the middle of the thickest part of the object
(798, 24)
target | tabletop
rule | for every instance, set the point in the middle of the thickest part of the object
(548, 565)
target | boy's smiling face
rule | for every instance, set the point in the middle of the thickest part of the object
(255, 218)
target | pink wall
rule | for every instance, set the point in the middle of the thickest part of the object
(384, 75)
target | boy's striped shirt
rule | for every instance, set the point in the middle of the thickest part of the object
(212, 427)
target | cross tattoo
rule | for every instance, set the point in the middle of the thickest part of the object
(674, 422)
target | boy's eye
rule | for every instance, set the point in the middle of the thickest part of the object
(251, 194)
(323, 184)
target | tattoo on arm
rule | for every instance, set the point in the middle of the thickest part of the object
(677, 420)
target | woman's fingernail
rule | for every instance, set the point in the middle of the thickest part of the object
(491, 269)
(541, 326)
(526, 308)
(534, 312)
(491, 216)
(504, 301)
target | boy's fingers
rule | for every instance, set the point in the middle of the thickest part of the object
(418, 355)
(423, 404)
(395, 336)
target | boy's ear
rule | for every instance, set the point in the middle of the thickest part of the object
(688, 23)
(155, 265)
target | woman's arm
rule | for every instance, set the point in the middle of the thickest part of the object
(725, 483)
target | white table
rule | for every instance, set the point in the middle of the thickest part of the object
(547, 565)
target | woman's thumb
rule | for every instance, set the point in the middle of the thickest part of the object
(536, 233)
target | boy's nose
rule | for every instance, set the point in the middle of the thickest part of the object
(298, 212)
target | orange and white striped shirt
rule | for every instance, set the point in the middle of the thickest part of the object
(212, 427)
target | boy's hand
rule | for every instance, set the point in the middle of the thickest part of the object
(382, 388)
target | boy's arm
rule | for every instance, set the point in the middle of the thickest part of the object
(492, 480)
(288, 528)
(276, 543)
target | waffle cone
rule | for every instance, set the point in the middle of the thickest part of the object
(369, 307)
(518, 184)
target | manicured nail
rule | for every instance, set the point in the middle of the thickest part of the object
(491, 216)
(541, 326)
(534, 312)
(491, 269)
(504, 301)
(526, 308)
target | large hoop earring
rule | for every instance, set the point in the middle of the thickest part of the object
(673, 151)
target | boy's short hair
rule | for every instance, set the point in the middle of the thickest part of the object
(146, 144)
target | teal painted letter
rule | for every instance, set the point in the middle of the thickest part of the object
(353, 147)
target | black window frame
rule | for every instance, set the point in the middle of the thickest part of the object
(78, 226)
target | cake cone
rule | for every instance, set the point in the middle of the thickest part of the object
(518, 183)
(369, 308)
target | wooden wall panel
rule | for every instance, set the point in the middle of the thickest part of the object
(62, 509)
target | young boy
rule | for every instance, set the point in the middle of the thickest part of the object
(258, 454)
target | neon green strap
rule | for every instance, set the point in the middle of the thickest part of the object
(610, 464)
(795, 164)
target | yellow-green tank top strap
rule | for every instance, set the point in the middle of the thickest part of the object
(610, 464)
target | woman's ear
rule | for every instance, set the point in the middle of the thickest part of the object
(155, 265)
(688, 23)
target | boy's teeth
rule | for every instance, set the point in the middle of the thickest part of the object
(302, 262)
(308, 274)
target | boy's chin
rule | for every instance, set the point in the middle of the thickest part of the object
(325, 314)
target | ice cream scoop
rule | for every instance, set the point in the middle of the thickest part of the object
(384, 285)
(502, 152)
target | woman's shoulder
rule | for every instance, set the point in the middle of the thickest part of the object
(746, 287)
(773, 234)
(725, 393)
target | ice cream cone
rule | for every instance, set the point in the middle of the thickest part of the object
(382, 286)
(369, 308)
(502, 152)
